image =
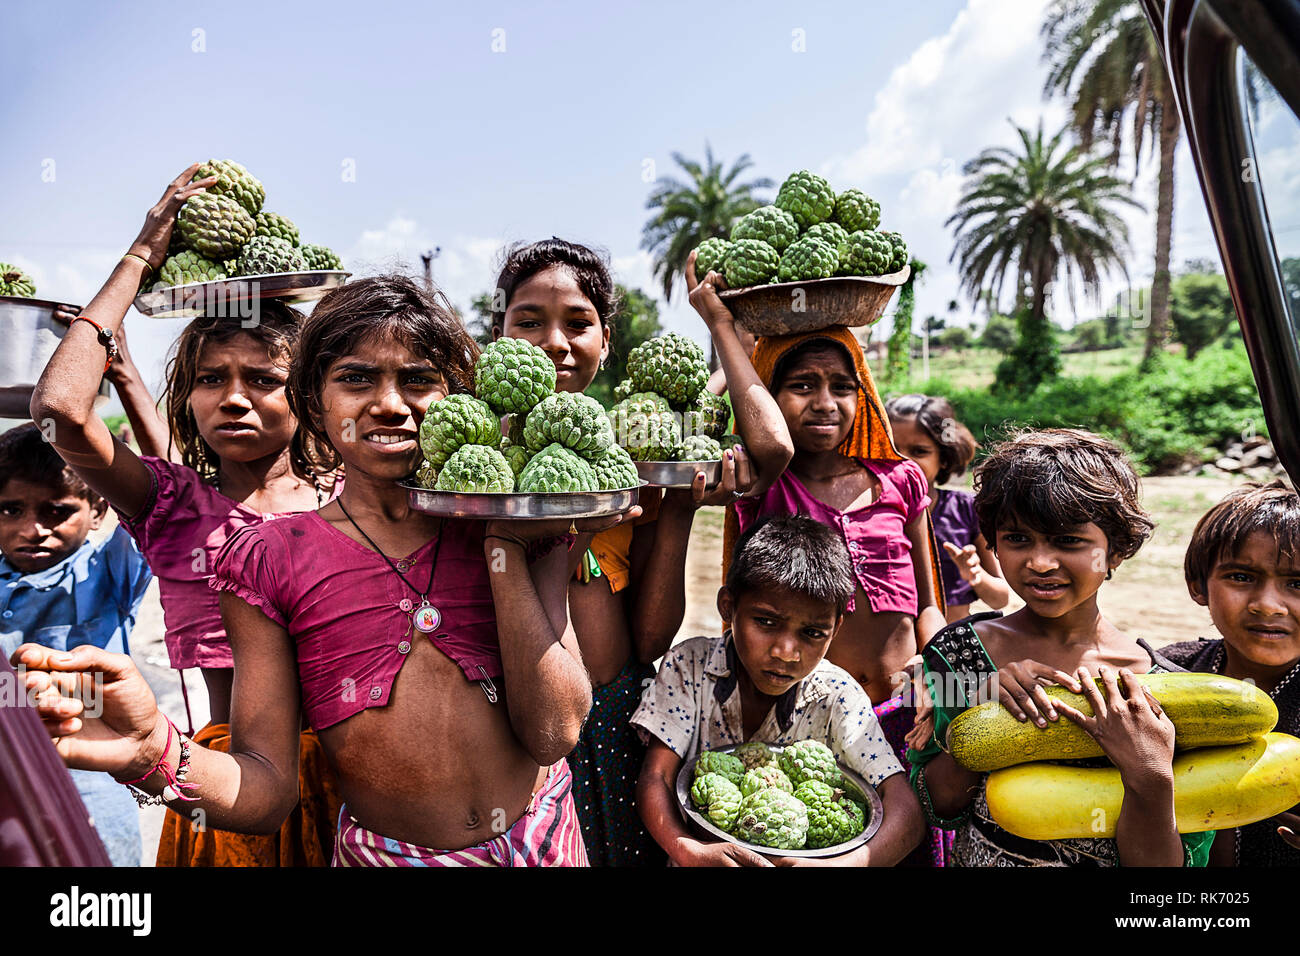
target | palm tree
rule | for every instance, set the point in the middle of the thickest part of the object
(687, 213)
(1035, 213)
(1104, 58)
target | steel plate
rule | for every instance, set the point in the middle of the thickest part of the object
(237, 297)
(536, 505)
(678, 474)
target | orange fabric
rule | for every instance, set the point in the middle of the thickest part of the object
(613, 548)
(306, 838)
(870, 436)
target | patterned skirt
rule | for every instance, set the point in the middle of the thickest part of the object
(896, 720)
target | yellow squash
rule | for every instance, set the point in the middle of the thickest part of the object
(1215, 788)
(1207, 711)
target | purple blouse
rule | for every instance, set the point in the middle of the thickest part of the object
(954, 522)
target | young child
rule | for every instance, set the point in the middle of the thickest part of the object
(232, 431)
(560, 297)
(1243, 563)
(61, 591)
(927, 432)
(433, 657)
(767, 679)
(1061, 509)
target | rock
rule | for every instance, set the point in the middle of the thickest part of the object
(1228, 464)
(1259, 455)
(1261, 475)
(1235, 450)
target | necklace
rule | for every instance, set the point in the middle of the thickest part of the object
(425, 618)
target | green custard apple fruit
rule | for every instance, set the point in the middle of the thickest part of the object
(274, 224)
(750, 262)
(855, 210)
(266, 255)
(714, 761)
(772, 818)
(476, 468)
(15, 282)
(717, 798)
(187, 268)
(864, 253)
(512, 376)
(755, 754)
(321, 258)
(231, 266)
(234, 181)
(426, 476)
(574, 420)
(828, 232)
(216, 227)
(557, 469)
(698, 448)
(808, 258)
(807, 760)
(670, 365)
(623, 389)
(516, 455)
(898, 251)
(457, 420)
(615, 470)
(731, 440)
(760, 778)
(807, 197)
(770, 224)
(710, 256)
(646, 427)
(832, 817)
(708, 417)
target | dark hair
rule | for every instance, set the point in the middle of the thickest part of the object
(1273, 509)
(391, 306)
(796, 553)
(522, 261)
(933, 414)
(27, 456)
(1058, 478)
(810, 347)
(277, 329)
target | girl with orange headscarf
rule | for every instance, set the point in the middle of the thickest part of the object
(820, 444)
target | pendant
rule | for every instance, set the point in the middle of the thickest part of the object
(426, 618)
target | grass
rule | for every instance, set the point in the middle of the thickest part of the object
(974, 368)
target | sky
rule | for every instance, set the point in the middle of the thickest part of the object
(387, 129)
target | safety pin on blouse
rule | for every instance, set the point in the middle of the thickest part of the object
(489, 688)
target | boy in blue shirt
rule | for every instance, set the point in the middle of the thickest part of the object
(61, 590)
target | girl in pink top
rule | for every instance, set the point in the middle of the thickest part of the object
(433, 656)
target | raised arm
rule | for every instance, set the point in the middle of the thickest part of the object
(150, 428)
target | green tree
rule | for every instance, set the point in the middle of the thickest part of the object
(1033, 215)
(999, 334)
(687, 213)
(954, 337)
(1201, 309)
(479, 322)
(898, 349)
(1104, 59)
(1291, 282)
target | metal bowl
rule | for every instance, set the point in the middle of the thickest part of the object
(30, 330)
(238, 297)
(875, 812)
(781, 308)
(678, 474)
(526, 504)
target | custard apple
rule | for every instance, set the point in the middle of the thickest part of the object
(760, 778)
(623, 389)
(231, 266)
(266, 255)
(516, 455)
(670, 365)
(476, 468)
(755, 754)
(698, 448)
(772, 225)
(714, 761)
(772, 818)
(855, 210)
(556, 469)
(186, 268)
(750, 262)
(807, 760)
(457, 420)
(426, 476)
(214, 226)
(572, 419)
(274, 224)
(15, 282)
(708, 417)
(235, 182)
(512, 376)
(898, 251)
(709, 256)
(615, 470)
(321, 258)
(646, 427)
(807, 197)
(864, 253)
(808, 258)
(830, 232)
(832, 817)
(718, 799)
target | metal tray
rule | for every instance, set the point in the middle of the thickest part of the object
(678, 474)
(773, 309)
(234, 297)
(875, 813)
(537, 505)
(30, 330)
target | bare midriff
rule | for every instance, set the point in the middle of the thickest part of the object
(874, 648)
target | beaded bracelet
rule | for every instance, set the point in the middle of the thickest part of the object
(176, 788)
(105, 338)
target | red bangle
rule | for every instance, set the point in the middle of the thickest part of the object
(161, 760)
(105, 339)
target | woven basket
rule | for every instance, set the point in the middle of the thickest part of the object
(785, 307)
